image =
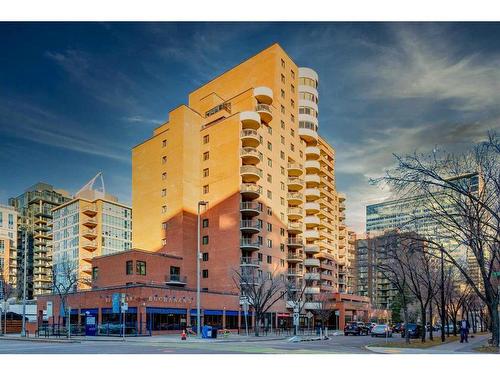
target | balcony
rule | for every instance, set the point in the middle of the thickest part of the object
(250, 226)
(250, 191)
(250, 120)
(311, 249)
(90, 210)
(86, 269)
(311, 290)
(311, 207)
(265, 112)
(294, 242)
(263, 94)
(312, 180)
(312, 166)
(312, 276)
(292, 272)
(312, 221)
(341, 225)
(175, 280)
(250, 173)
(294, 227)
(297, 257)
(250, 208)
(311, 262)
(89, 234)
(294, 197)
(295, 169)
(295, 213)
(249, 244)
(249, 262)
(312, 193)
(311, 234)
(308, 131)
(40, 220)
(341, 197)
(89, 245)
(249, 155)
(295, 183)
(249, 138)
(313, 152)
(89, 222)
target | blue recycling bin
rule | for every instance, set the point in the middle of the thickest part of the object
(206, 332)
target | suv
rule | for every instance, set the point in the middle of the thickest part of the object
(355, 329)
(413, 330)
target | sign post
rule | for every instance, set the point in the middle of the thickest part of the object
(124, 308)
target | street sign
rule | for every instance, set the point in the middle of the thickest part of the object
(296, 318)
(124, 306)
(116, 303)
(337, 313)
(309, 315)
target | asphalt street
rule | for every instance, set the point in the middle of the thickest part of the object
(337, 344)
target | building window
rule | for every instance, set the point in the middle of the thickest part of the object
(269, 259)
(282, 140)
(270, 130)
(282, 185)
(282, 63)
(95, 271)
(205, 223)
(292, 88)
(282, 262)
(269, 162)
(260, 222)
(129, 267)
(292, 103)
(269, 211)
(282, 124)
(259, 257)
(164, 143)
(282, 216)
(205, 189)
(282, 170)
(282, 200)
(164, 241)
(164, 176)
(205, 274)
(282, 155)
(292, 118)
(204, 240)
(269, 227)
(282, 247)
(206, 172)
(269, 178)
(269, 243)
(164, 225)
(140, 267)
(282, 232)
(206, 139)
(269, 146)
(283, 109)
(163, 209)
(270, 194)
(164, 160)
(283, 93)
(292, 146)
(292, 132)
(163, 192)
(282, 78)
(206, 155)
(260, 240)
(292, 74)
(205, 257)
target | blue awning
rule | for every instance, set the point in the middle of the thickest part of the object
(74, 312)
(89, 311)
(213, 312)
(108, 310)
(231, 313)
(242, 313)
(161, 310)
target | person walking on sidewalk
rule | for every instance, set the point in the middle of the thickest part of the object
(464, 330)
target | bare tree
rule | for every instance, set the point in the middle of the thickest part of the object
(324, 308)
(467, 215)
(7, 291)
(65, 281)
(262, 292)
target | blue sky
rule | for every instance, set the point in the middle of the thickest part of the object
(75, 97)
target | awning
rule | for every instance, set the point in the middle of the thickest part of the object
(161, 310)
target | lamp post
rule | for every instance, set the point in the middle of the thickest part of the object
(198, 312)
(25, 261)
(443, 312)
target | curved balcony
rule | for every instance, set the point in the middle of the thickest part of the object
(312, 276)
(311, 290)
(305, 72)
(295, 183)
(89, 245)
(265, 111)
(249, 244)
(250, 191)
(312, 180)
(311, 234)
(312, 152)
(90, 210)
(263, 94)
(311, 249)
(294, 227)
(312, 194)
(249, 138)
(297, 257)
(250, 208)
(250, 120)
(341, 197)
(294, 242)
(249, 262)
(250, 173)
(295, 197)
(250, 155)
(308, 132)
(311, 207)
(295, 169)
(311, 262)
(312, 166)
(295, 213)
(90, 222)
(89, 234)
(312, 221)
(250, 226)
(292, 272)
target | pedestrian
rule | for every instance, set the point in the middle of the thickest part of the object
(464, 330)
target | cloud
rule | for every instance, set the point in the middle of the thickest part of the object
(23, 120)
(143, 120)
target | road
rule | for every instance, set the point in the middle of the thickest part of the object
(337, 344)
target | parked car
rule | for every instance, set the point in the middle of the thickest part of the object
(370, 327)
(381, 330)
(398, 328)
(413, 330)
(355, 329)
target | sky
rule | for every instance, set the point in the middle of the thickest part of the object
(76, 97)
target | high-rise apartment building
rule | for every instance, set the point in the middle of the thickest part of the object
(91, 224)
(34, 235)
(247, 143)
(8, 246)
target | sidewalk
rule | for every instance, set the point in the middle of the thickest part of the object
(454, 347)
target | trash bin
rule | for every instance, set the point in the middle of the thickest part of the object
(206, 332)
(214, 333)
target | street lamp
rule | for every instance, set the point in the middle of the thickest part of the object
(198, 317)
(25, 261)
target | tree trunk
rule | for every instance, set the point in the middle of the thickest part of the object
(431, 335)
(493, 310)
(423, 315)
(405, 313)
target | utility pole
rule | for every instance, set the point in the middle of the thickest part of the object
(198, 255)
(443, 312)
(25, 261)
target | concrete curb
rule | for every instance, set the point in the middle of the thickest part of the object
(57, 341)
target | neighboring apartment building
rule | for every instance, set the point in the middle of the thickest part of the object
(8, 247)
(91, 224)
(34, 235)
(248, 144)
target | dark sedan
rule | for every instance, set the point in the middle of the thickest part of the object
(382, 330)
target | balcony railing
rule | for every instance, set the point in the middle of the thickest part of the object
(175, 279)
